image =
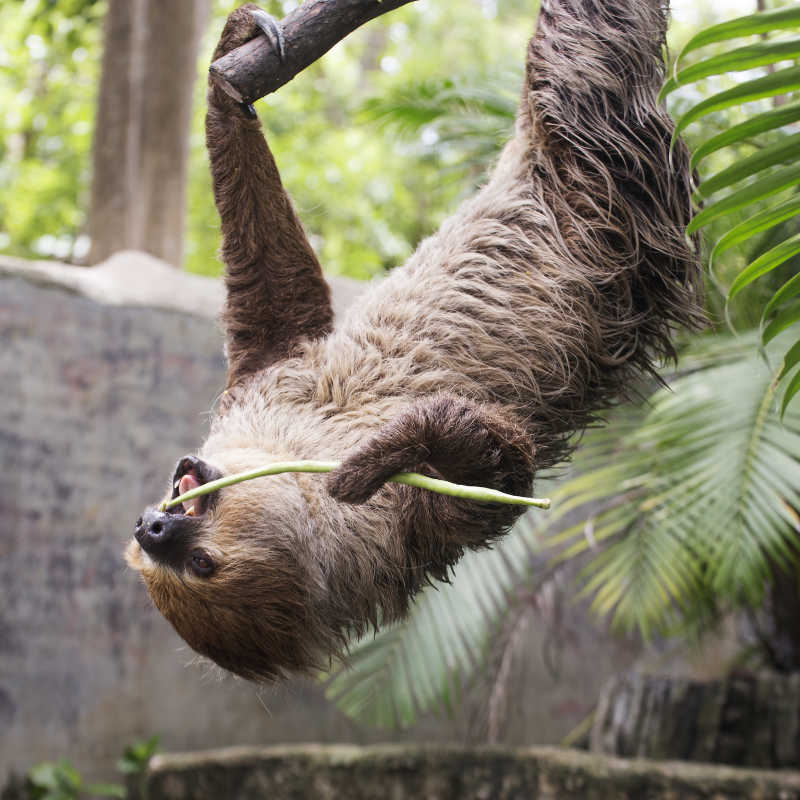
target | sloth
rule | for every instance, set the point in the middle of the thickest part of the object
(546, 297)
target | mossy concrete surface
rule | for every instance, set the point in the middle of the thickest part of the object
(437, 772)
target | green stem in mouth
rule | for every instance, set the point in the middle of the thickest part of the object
(478, 493)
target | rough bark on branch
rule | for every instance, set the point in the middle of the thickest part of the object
(255, 69)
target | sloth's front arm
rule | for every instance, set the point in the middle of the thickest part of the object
(276, 295)
(450, 437)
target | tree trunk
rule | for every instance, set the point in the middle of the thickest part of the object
(109, 223)
(141, 143)
(745, 720)
(775, 625)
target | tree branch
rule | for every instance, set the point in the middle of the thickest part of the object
(255, 69)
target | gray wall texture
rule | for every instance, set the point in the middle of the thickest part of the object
(106, 378)
(442, 773)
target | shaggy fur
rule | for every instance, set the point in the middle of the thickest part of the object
(540, 302)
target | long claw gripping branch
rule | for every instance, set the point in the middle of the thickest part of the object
(272, 30)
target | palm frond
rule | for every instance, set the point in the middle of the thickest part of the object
(467, 118)
(749, 181)
(696, 501)
(778, 19)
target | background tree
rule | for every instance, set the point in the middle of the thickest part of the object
(49, 67)
(397, 191)
(141, 142)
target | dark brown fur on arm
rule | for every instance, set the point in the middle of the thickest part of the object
(276, 294)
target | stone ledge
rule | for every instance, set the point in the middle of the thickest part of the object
(440, 772)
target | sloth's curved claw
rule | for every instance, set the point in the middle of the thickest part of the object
(272, 30)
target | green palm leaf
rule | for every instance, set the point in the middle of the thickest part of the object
(748, 196)
(764, 263)
(473, 123)
(786, 149)
(780, 82)
(763, 22)
(744, 131)
(792, 388)
(738, 60)
(789, 290)
(762, 221)
(696, 502)
(773, 168)
(784, 319)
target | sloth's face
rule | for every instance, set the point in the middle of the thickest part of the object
(224, 568)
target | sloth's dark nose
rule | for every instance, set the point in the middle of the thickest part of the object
(155, 531)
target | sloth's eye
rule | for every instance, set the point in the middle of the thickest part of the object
(201, 564)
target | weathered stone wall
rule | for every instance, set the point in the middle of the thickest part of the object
(444, 773)
(99, 399)
(106, 377)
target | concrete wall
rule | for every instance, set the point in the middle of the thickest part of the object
(442, 773)
(106, 376)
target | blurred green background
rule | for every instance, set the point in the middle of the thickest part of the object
(364, 138)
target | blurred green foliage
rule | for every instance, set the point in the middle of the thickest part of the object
(377, 142)
(49, 69)
(365, 196)
(59, 780)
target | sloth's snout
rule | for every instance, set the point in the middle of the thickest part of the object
(155, 531)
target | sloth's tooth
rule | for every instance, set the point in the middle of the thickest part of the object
(190, 512)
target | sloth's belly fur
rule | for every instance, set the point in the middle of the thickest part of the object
(465, 314)
(492, 307)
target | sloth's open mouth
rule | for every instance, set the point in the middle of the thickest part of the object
(191, 508)
(190, 473)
